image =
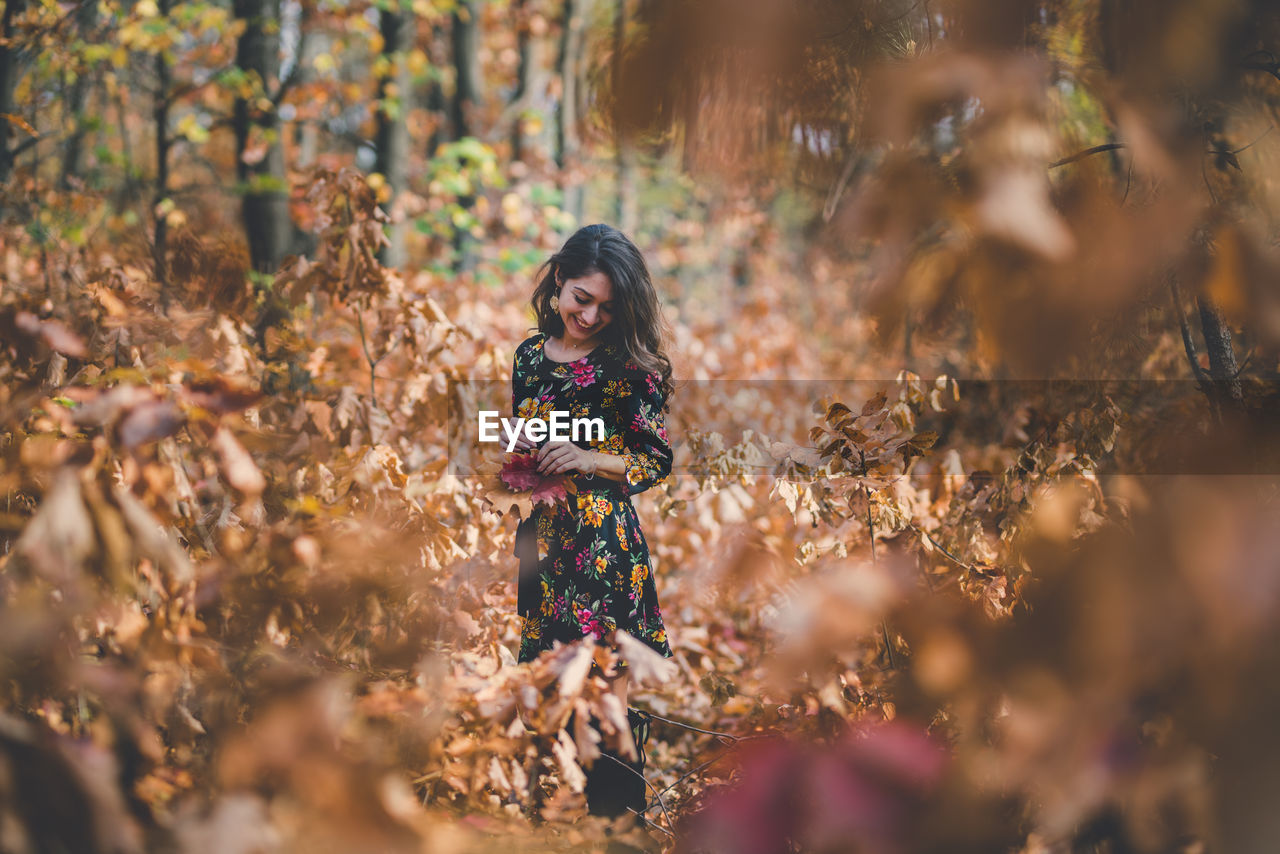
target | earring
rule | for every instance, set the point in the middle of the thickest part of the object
(555, 302)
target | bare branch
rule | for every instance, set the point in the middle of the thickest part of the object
(1088, 152)
(1188, 343)
(1262, 60)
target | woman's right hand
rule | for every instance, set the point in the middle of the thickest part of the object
(523, 444)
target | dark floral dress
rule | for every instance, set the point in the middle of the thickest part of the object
(585, 569)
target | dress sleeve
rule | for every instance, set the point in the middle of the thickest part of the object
(522, 406)
(647, 453)
(516, 370)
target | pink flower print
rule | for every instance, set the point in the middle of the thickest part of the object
(649, 381)
(584, 374)
(588, 621)
(594, 627)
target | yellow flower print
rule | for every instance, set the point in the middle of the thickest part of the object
(528, 408)
(622, 537)
(639, 572)
(602, 563)
(635, 473)
(532, 628)
(594, 509)
(547, 599)
(660, 636)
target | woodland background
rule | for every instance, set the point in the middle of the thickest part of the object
(1021, 594)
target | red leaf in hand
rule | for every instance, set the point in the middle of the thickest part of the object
(550, 490)
(520, 472)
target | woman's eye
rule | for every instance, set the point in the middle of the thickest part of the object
(581, 301)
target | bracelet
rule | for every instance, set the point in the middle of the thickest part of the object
(594, 466)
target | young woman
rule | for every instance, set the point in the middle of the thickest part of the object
(585, 569)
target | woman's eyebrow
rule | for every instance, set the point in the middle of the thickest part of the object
(587, 293)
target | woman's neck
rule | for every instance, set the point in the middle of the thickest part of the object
(568, 347)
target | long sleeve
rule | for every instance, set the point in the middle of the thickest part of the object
(647, 452)
(515, 380)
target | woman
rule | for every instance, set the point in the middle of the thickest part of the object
(585, 569)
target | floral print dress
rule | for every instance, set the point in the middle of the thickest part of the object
(585, 568)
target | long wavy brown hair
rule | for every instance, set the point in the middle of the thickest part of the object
(638, 328)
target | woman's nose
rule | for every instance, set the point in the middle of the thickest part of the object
(589, 316)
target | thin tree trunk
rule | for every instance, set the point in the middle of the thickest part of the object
(524, 77)
(567, 64)
(466, 62)
(689, 148)
(73, 153)
(8, 79)
(624, 153)
(1224, 371)
(466, 96)
(265, 206)
(437, 104)
(565, 118)
(159, 216)
(392, 143)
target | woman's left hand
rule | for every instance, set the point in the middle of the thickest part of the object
(563, 457)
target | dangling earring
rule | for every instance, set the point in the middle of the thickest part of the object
(555, 302)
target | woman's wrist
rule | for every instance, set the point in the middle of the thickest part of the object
(610, 466)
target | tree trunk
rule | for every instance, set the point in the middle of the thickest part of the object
(265, 206)
(1224, 371)
(392, 143)
(689, 105)
(466, 96)
(73, 153)
(8, 79)
(572, 33)
(624, 153)
(437, 104)
(524, 78)
(466, 62)
(161, 194)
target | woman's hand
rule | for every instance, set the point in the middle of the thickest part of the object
(524, 443)
(563, 457)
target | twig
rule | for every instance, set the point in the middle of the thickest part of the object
(694, 770)
(650, 786)
(1255, 142)
(937, 545)
(871, 533)
(1080, 155)
(1267, 62)
(842, 183)
(373, 363)
(1204, 175)
(1188, 343)
(1247, 359)
(733, 739)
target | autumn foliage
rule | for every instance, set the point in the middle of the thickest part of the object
(971, 538)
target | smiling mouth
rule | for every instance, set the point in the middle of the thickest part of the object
(581, 325)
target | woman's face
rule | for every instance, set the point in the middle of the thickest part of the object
(586, 307)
